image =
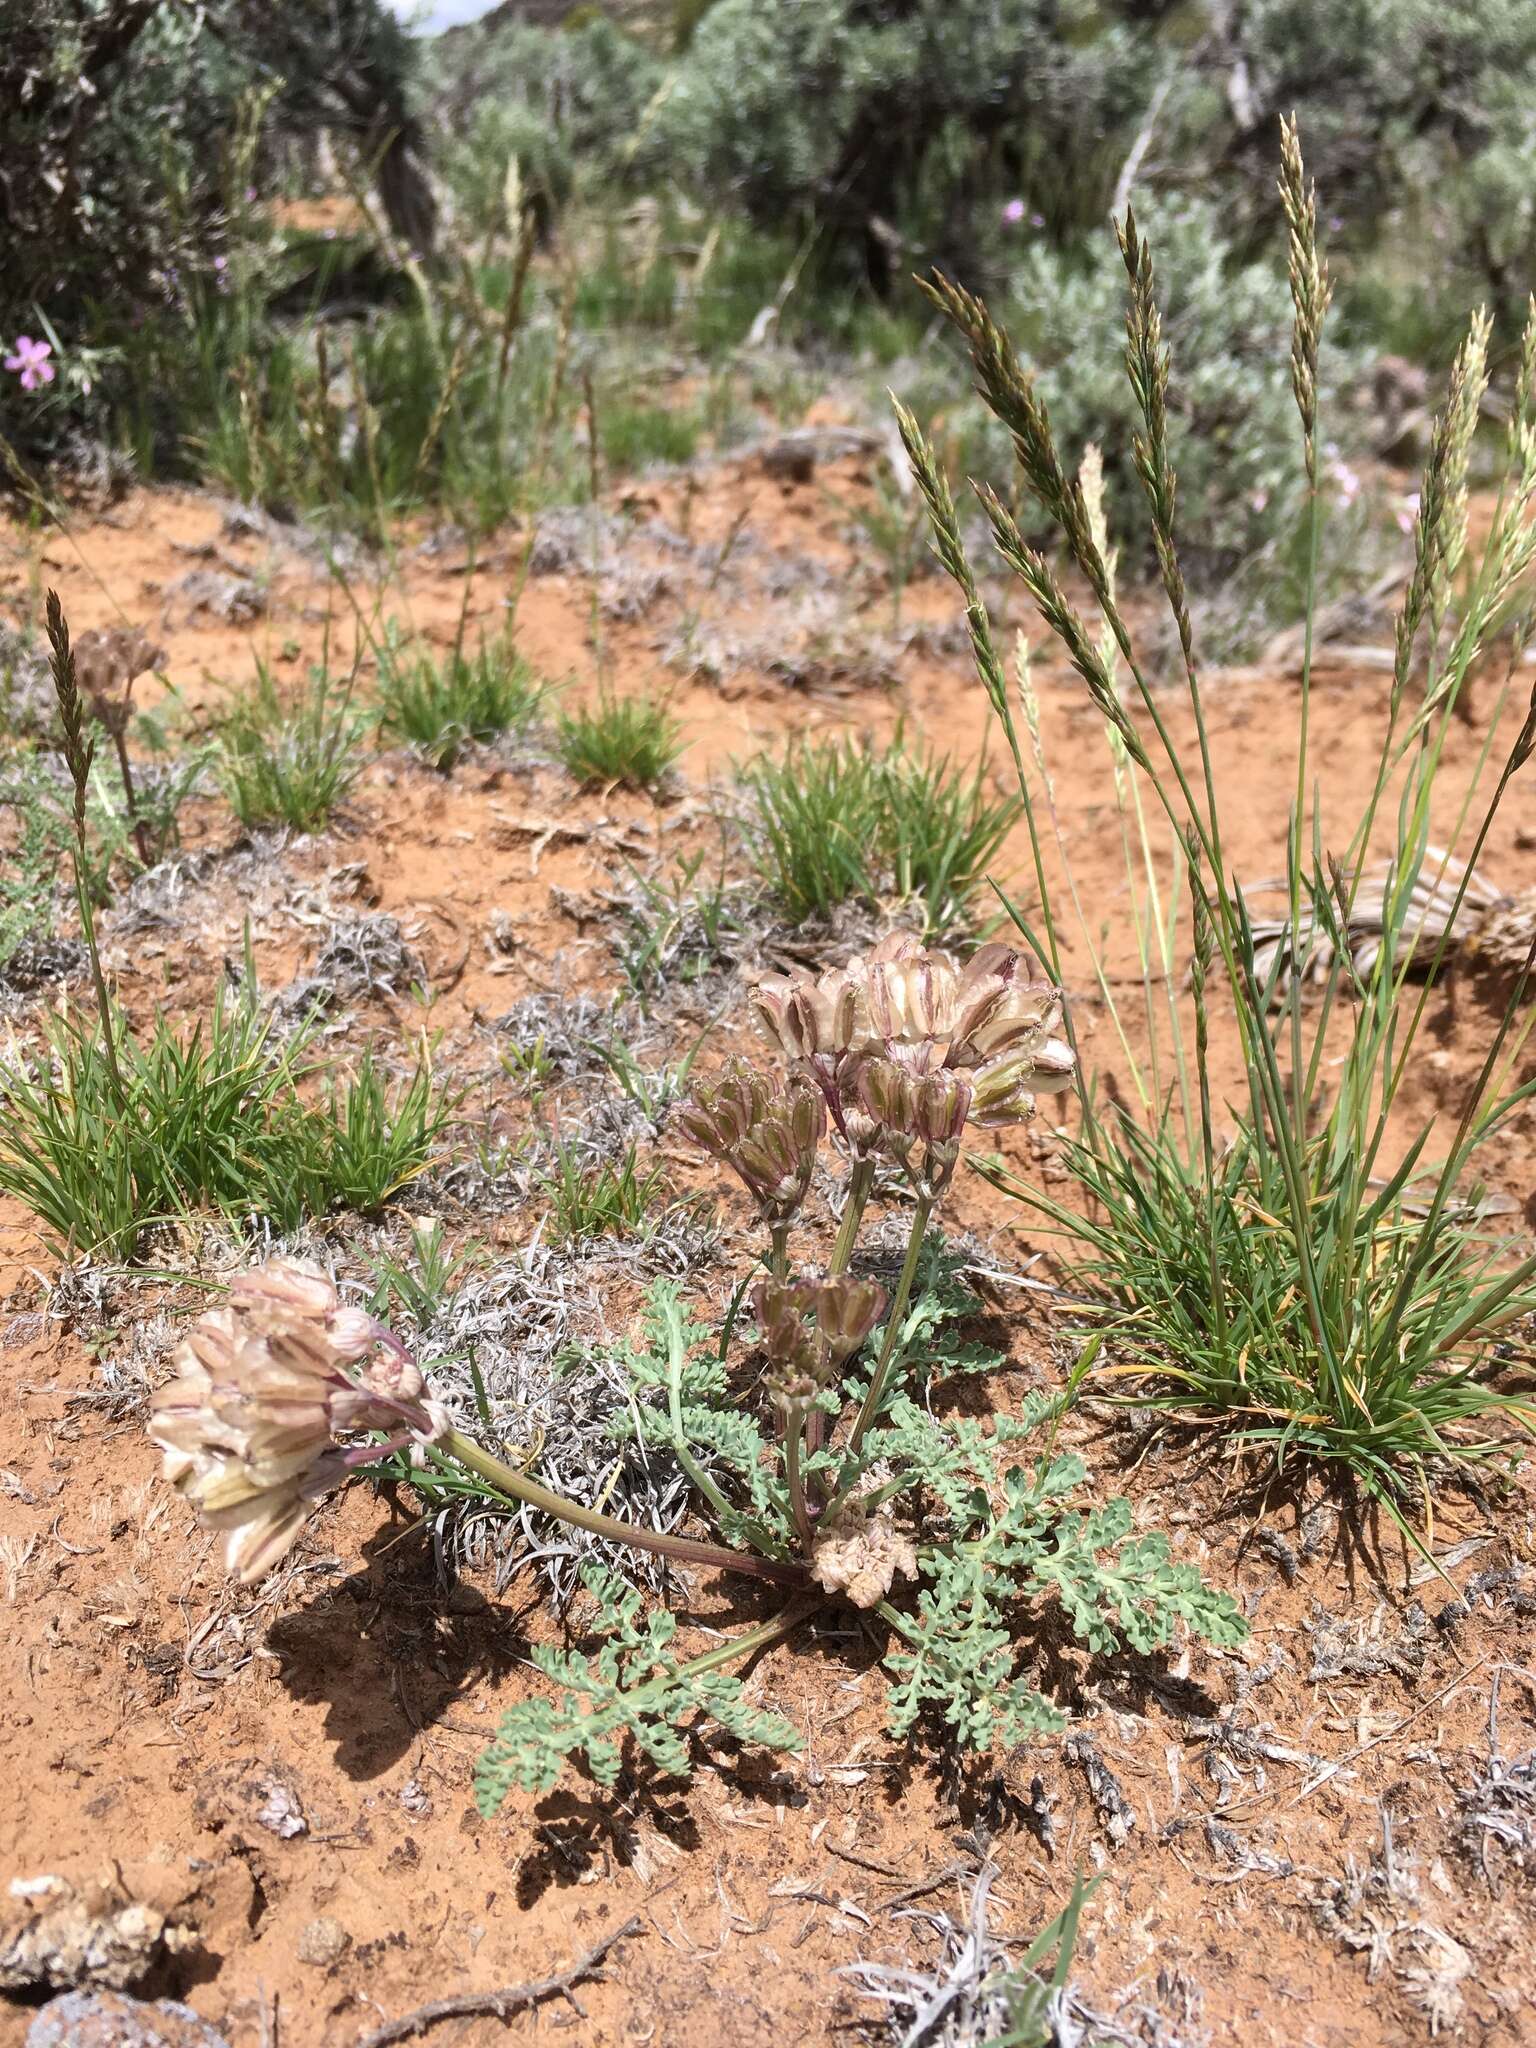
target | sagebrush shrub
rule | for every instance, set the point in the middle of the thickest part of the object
(1232, 428)
(911, 111)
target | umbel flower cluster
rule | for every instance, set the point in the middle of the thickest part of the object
(899, 1050)
(894, 1054)
(267, 1392)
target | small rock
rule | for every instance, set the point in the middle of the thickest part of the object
(109, 2019)
(58, 1936)
(415, 1798)
(276, 1806)
(323, 1942)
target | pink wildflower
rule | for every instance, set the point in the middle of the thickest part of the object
(30, 361)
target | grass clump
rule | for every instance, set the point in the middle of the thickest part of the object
(43, 839)
(840, 821)
(599, 1198)
(285, 763)
(441, 706)
(102, 1138)
(1317, 1282)
(628, 741)
(636, 437)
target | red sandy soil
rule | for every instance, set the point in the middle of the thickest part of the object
(152, 1714)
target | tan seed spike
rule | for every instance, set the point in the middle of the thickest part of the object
(1311, 289)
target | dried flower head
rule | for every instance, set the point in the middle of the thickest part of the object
(766, 1128)
(909, 995)
(1003, 1091)
(858, 1555)
(264, 1388)
(108, 662)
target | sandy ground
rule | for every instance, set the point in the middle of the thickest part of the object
(1291, 1852)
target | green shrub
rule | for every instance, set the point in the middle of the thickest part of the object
(567, 103)
(1419, 128)
(1231, 416)
(923, 113)
(130, 137)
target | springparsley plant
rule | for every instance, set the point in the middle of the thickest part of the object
(805, 1425)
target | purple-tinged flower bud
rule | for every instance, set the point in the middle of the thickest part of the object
(719, 1113)
(845, 1309)
(942, 1101)
(291, 1285)
(765, 1129)
(888, 1095)
(776, 1305)
(1028, 1014)
(353, 1334)
(1004, 1090)
(798, 1361)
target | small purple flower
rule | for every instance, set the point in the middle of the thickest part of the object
(1013, 213)
(221, 262)
(1347, 480)
(30, 361)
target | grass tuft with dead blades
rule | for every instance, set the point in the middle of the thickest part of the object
(1306, 1278)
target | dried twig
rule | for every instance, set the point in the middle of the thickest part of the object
(501, 2005)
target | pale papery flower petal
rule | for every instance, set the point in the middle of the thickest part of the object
(249, 1426)
(859, 1556)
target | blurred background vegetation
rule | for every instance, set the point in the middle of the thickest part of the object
(349, 270)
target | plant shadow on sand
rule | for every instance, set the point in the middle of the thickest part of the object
(391, 1651)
